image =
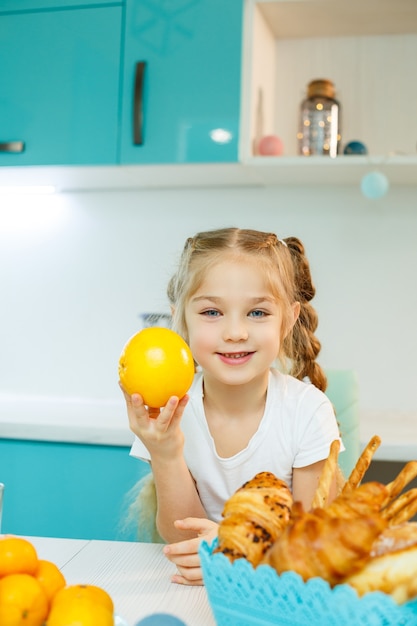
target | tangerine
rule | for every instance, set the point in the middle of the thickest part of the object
(50, 577)
(79, 611)
(17, 556)
(83, 592)
(157, 364)
(23, 601)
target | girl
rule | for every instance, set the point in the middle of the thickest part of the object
(241, 299)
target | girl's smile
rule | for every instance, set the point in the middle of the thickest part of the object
(237, 358)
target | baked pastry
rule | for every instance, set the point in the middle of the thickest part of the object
(367, 500)
(363, 537)
(393, 566)
(254, 517)
(395, 538)
(334, 541)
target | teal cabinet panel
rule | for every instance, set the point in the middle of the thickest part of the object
(67, 490)
(191, 87)
(60, 81)
(343, 392)
(8, 6)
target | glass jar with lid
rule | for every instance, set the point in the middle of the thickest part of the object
(319, 126)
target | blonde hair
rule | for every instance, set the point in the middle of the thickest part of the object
(141, 505)
(287, 271)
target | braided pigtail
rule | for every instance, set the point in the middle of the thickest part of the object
(305, 346)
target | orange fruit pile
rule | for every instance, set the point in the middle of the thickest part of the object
(157, 364)
(33, 592)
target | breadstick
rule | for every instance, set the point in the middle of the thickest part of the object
(393, 507)
(362, 464)
(405, 476)
(405, 514)
(327, 475)
(402, 509)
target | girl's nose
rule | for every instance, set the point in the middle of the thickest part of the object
(235, 331)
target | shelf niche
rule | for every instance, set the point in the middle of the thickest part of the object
(368, 48)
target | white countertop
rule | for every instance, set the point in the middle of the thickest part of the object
(104, 422)
(398, 433)
(136, 575)
(71, 420)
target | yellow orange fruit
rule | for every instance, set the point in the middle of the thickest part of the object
(157, 364)
(17, 556)
(79, 612)
(50, 577)
(23, 601)
(75, 593)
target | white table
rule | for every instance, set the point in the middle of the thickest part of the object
(136, 575)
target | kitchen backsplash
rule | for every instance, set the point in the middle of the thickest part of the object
(78, 270)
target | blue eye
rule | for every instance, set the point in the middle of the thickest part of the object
(257, 313)
(210, 313)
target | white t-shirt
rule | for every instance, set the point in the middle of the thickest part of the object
(296, 430)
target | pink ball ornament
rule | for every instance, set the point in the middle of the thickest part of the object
(270, 145)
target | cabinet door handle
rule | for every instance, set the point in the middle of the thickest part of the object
(12, 146)
(138, 104)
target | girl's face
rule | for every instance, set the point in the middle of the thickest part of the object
(234, 322)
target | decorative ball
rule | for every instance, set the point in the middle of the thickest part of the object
(355, 147)
(270, 145)
(374, 185)
(160, 619)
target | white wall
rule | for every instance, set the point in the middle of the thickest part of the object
(72, 287)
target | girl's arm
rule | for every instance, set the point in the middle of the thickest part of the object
(160, 432)
(305, 481)
(177, 498)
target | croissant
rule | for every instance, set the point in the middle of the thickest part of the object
(334, 541)
(254, 517)
(366, 500)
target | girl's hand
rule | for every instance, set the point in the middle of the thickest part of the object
(158, 429)
(184, 554)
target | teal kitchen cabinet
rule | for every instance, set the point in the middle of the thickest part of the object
(67, 490)
(181, 85)
(38, 5)
(60, 83)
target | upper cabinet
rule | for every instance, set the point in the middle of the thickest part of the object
(367, 48)
(59, 76)
(140, 81)
(181, 84)
(13, 6)
(130, 82)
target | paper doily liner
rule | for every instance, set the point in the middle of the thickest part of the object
(240, 595)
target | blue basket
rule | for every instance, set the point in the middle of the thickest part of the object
(240, 595)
